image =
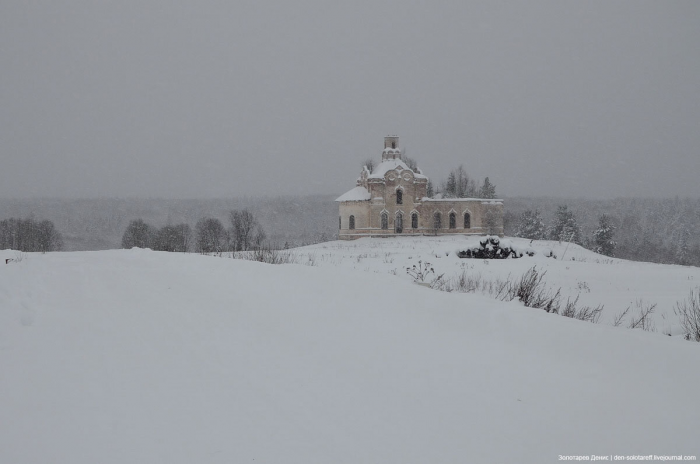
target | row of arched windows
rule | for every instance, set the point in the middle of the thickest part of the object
(437, 221)
(398, 224)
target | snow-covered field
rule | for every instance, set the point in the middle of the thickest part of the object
(595, 279)
(141, 357)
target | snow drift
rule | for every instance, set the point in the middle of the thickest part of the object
(138, 356)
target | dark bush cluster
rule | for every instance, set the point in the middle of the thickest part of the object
(29, 235)
(491, 248)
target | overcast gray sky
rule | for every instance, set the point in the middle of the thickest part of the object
(168, 98)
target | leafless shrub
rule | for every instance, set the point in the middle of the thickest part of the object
(439, 284)
(643, 320)
(569, 308)
(268, 255)
(532, 291)
(583, 313)
(19, 257)
(589, 313)
(465, 283)
(312, 260)
(497, 287)
(274, 256)
(423, 271)
(689, 313)
(473, 283)
(619, 318)
(583, 287)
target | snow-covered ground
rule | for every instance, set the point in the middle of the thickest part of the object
(595, 279)
(140, 357)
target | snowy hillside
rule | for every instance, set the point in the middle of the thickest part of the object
(141, 357)
(595, 279)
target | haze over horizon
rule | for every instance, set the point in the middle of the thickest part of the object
(174, 99)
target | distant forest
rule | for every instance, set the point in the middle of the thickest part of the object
(655, 230)
(99, 224)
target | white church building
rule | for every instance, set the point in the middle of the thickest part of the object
(391, 199)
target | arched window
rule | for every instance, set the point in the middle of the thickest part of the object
(385, 220)
(467, 221)
(453, 221)
(398, 223)
(414, 221)
(399, 197)
(393, 145)
(352, 222)
(437, 220)
(340, 222)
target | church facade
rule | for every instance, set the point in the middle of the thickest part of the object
(392, 199)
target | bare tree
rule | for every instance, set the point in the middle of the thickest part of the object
(210, 236)
(48, 238)
(459, 184)
(260, 237)
(411, 163)
(173, 238)
(138, 234)
(29, 235)
(245, 230)
(184, 235)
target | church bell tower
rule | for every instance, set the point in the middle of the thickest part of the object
(391, 148)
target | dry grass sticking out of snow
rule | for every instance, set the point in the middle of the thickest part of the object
(594, 281)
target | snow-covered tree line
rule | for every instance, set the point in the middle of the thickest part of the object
(209, 236)
(459, 185)
(29, 235)
(654, 230)
(564, 228)
(100, 223)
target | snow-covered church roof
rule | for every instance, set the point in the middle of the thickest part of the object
(385, 166)
(357, 194)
